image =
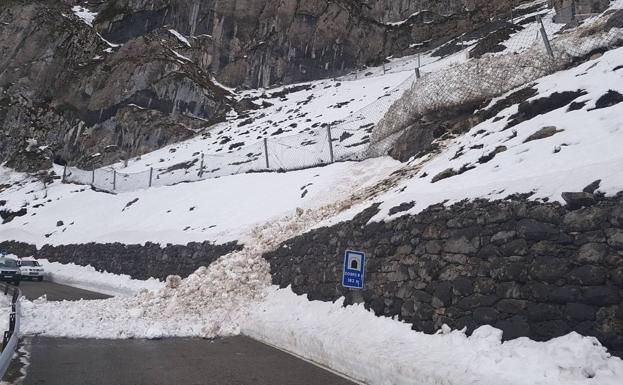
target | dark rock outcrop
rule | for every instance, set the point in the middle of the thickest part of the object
(67, 94)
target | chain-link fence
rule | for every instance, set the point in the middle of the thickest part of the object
(343, 140)
(509, 52)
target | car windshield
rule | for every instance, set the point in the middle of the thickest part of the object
(8, 263)
(30, 263)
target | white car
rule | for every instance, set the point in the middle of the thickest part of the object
(30, 269)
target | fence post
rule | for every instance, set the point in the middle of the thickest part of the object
(114, 179)
(201, 168)
(330, 142)
(93, 176)
(64, 173)
(151, 175)
(11, 322)
(548, 47)
(512, 15)
(266, 152)
(417, 69)
(5, 339)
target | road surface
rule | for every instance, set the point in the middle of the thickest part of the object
(55, 292)
(229, 361)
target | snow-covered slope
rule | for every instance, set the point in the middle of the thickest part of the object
(503, 156)
(218, 210)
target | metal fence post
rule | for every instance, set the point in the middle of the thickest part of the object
(201, 168)
(548, 47)
(5, 339)
(417, 69)
(64, 173)
(266, 152)
(151, 175)
(512, 15)
(114, 179)
(330, 142)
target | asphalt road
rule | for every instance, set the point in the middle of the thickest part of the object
(55, 292)
(229, 361)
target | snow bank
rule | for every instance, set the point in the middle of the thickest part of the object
(87, 278)
(379, 350)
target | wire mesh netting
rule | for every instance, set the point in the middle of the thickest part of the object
(511, 51)
(532, 46)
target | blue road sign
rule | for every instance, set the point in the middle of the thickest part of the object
(352, 274)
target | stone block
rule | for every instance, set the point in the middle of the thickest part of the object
(588, 275)
(592, 253)
(579, 312)
(513, 327)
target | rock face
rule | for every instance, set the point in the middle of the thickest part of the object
(137, 261)
(263, 42)
(67, 94)
(531, 269)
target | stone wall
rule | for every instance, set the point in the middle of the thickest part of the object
(529, 268)
(138, 261)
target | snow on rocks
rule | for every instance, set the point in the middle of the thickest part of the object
(180, 37)
(84, 14)
(380, 350)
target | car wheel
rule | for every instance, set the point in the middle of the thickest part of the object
(40, 278)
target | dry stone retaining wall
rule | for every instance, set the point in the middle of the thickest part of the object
(532, 269)
(138, 261)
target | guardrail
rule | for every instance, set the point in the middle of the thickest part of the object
(9, 341)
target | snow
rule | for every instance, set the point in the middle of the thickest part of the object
(380, 350)
(87, 278)
(180, 56)
(294, 123)
(84, 14)
(587, 148)
(178, 214)
(180, 37)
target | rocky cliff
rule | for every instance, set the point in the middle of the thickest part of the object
(263, 42)
(90, 83)
(68, 94)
